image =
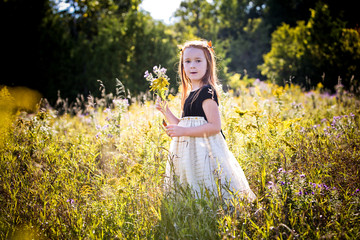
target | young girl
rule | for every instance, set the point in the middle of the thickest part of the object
(199, 155)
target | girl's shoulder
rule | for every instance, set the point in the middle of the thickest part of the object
(207, 91)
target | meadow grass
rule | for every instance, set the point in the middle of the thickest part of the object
(95, 169)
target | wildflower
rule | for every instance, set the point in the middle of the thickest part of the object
(121, 103)
(357, 190)
(302, 175)
(159, 84)
(240, 112)
(98, 135)
(280, 170)
(163, 70)
(146, 74)
(109, 135)
(337, 118)
(323, 120)
(71, 201)
(282, 183)
(300, 192)
(352, 115)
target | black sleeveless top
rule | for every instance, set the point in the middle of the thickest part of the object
(193, 103)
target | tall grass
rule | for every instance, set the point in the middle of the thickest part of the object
(94, 170)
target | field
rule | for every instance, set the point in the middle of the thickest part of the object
(94, 170)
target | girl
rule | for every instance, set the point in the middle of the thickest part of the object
(199, 155)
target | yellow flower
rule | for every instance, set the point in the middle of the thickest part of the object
(159, 84)
(278, 92)
(240, 112)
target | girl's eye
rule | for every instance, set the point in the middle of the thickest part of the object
(198, 61)
(187, 61)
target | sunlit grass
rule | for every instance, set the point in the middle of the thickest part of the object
(95, 169)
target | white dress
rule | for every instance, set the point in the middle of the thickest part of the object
(205, 162)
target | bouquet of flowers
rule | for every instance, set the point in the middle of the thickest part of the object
(160, 83)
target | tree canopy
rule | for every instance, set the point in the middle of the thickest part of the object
(68, 51)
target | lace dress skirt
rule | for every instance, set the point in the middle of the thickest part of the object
(205, 163)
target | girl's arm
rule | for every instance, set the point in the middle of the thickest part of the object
(170, 117)
(213, 126)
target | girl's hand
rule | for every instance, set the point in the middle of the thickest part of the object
(175, 131)
(161, 105)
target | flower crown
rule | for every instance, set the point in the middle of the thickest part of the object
(209, 45)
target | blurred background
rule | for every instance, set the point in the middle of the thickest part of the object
(64, 47)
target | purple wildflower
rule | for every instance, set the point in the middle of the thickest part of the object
(146, 74)
(323, 120)
(300, 192)
(282, 183)
(352, 115)
(280, 170)
(302, 175)
(71, 201)
(163, 70)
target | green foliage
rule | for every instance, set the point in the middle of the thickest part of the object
(287, 49)
(97, 171)
(69, 50)
(246, 51)
(317, 51)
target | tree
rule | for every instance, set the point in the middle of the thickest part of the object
(72, 49)
(321, 50)
(247, 49)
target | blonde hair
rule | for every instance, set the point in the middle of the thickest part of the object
(210, 76)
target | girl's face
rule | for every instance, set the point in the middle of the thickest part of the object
(195, 64)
